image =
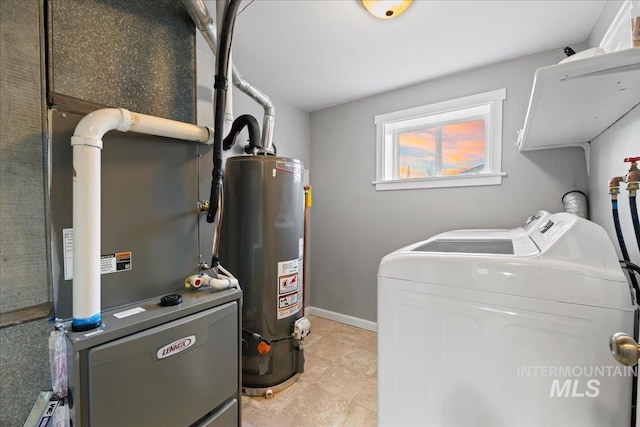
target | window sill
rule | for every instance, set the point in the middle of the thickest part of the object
(441, 182)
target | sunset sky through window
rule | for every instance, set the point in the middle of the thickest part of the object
(462, 148)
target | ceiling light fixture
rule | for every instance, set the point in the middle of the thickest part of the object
(385, 9)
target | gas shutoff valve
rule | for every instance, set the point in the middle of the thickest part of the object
(301, 328)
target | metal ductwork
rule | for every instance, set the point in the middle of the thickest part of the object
(204, 22)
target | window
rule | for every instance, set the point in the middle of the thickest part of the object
(449, 144)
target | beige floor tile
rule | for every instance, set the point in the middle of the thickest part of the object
(322, 324)
(314, 366)
(315, 407)
(346, 334)
(280, 400)
(314, 336)
(367, 339)
(338, 387)
(367, 395)
(357, 416)
(329, 348)
(360, 362)
(252, 417)
(340, 382)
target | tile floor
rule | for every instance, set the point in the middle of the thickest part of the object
(337, 389)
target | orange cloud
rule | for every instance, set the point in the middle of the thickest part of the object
(418, 139)
(462, 148)
(463, 152)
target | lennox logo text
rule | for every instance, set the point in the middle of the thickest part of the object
(176, 347)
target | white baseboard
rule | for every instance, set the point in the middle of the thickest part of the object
(343, 318)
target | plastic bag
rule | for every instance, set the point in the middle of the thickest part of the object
(61, 416)
(58, 363)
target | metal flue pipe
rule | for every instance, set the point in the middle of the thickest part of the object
(199, 13)
(269, 117)
(204, 22)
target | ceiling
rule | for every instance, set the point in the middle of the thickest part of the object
(314, 54)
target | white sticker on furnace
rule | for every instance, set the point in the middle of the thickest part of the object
(130, 312)
(67, 250)
(289, 288)
(109, 263)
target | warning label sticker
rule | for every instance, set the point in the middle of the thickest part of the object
(110, 263)
(289, 288)
(288, 301)
(288, 283)
(113, 263)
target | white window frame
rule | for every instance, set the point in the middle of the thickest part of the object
(481, 105)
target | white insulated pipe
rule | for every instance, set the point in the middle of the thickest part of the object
(87, 145)
(86, 222)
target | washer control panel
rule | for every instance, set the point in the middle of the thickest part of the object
(535, 220)
(552, 229)
(545, 227)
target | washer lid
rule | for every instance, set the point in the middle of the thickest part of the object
(566, 259)
(488, 246)
(506, 243)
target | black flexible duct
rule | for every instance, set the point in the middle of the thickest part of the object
(238, 124)
(634, 218)
(221, 86)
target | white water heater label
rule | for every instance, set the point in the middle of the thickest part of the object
(289, 288)
(292, 168)
(110, 263)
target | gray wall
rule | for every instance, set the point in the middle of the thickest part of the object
(607, 14)
(24, 275)
(608, 151)
(22, 155)
(354, 225)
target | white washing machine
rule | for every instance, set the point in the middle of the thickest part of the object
(504, 328)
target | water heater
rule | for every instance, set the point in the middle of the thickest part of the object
(261, 242)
